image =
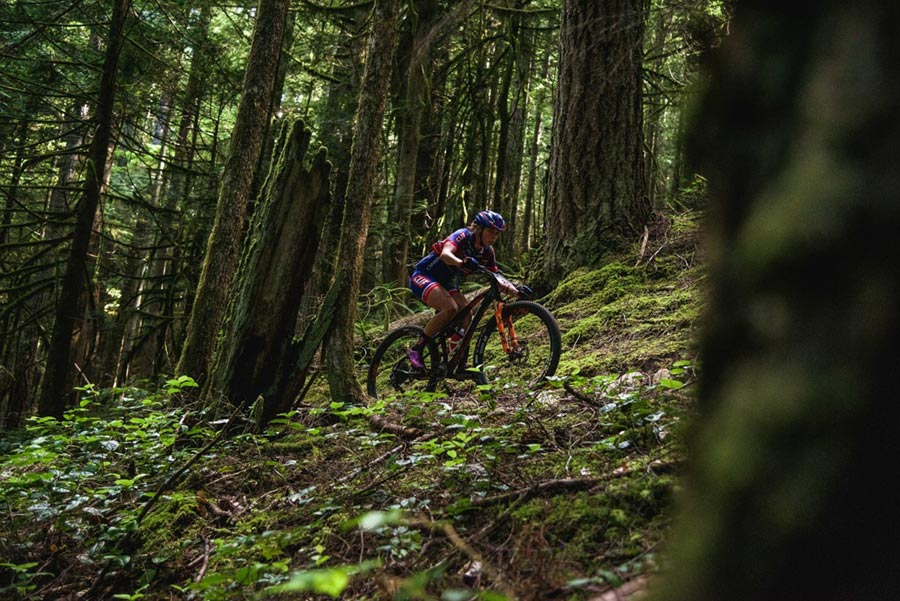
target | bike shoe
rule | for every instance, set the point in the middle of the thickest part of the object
(415, 358)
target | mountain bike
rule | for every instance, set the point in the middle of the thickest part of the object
(519, 344)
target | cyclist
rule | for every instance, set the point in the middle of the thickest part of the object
(435, 280)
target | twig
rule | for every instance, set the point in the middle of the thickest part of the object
(643, 246)
(171, 479)
(205, 564)
(447, 529)
(580, 396)
(385, 456)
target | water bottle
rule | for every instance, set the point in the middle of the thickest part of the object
(454, 341)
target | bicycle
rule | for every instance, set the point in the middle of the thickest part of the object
(520, 345)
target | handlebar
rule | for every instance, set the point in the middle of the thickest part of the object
(498, 280)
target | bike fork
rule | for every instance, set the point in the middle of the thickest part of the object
(506, 330)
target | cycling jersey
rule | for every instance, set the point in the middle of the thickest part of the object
(431, 271)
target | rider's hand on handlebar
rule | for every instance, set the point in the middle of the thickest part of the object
(470, 264)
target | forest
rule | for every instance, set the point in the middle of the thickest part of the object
(210, 214)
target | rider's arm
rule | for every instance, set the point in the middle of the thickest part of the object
(512, 291)
(490, 263)
(448, 256)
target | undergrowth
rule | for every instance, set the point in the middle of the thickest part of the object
(468, 493)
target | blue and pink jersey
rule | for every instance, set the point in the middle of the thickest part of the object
(431, 272)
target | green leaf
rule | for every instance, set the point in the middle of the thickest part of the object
(331, 582)
(673, 384)
(376, 519)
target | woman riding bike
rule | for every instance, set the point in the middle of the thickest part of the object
(435, 280)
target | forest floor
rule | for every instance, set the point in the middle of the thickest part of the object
(560, 493)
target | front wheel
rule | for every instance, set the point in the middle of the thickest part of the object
(531, 356)
(390, 371)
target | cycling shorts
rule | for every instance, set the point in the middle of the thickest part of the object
(423, 284)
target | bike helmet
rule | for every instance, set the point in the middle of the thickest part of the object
(491, 219)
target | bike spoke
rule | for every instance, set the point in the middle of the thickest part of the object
(532, 348)
(392, 373)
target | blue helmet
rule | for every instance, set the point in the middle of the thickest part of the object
(491, 219)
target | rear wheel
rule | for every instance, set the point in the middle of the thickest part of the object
(391, 372)
(531, 358)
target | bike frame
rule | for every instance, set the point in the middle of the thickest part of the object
(479, 304)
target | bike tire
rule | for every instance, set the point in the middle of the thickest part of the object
(540, 344)
(390, 370)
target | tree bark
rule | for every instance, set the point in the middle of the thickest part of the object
(360, 189)
(251, 126)
(53, 397)
(794, 450)
(254, 356)
(512, 108)
(411, 114)
(596, 204)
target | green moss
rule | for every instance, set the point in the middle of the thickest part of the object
(600, 529)
(601, 285)
(630, 326)
(173, 519)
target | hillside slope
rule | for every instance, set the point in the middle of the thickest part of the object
(562, 492)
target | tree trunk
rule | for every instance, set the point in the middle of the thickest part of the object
(250, 127)
(794, 452)
(360, 188)
(596, 204)
(149, 356)
(337, 137)
(53, 389)
(524, 230)
(411, 113)
(512, 108)
(254, 356)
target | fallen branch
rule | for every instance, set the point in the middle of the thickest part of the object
(580, 396)
(447, 529)
(205, 565)
(564, 485)
(382, 425)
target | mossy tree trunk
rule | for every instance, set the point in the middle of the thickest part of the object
(412, 108)
(360, 189)
(789, 495)
(251, 125)
(54, 391)
(255, 356)
(596, 202)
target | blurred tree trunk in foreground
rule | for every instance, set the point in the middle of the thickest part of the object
(789, 496)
